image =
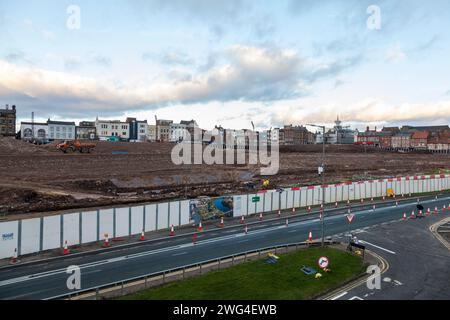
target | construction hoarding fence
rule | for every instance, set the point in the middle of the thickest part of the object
(87, 226)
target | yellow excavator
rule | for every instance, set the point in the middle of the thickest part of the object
(266, 184)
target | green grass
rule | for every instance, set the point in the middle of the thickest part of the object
(258, 280)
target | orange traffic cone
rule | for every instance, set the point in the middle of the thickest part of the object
(242, 220)
(66, 249)
(106, 243)
(142, 236)
(336, 204)
(309, 209)
(413, 215)
(260, 217)
(436, 211)
(279, 213)
(14, 257)
(310, 236)
(420, 213)
(200, 227)
(293, 210)
(404, 216)
(222, 224)
(428, 211)
(172, 231)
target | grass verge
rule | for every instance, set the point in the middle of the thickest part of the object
(258, 280)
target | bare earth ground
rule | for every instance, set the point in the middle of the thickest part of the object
(42, 179)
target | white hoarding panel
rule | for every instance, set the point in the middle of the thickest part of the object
(268, 201)
(250, 204)
(71, 228)
(163, 216)
(89, 227)
(185, 218)
(122, 222)
(106, 223)
(137, 219)
(150, 217)
(290, 199)
(174, 214)
(8, 238)
(52, 232)
(31, 232)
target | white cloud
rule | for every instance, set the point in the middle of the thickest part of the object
(395, 54)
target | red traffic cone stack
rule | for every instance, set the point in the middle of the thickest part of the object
(200, 227)
(66, 249)
(172, 231)
(14, 257)
(106, 243)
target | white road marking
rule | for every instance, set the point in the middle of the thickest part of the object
(356, 298)
(374, 245)
(339, 295)
(179, 254)
(398, 282)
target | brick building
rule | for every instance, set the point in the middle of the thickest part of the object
(8, 121)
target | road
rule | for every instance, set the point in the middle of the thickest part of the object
(419, 265)
(47, 279)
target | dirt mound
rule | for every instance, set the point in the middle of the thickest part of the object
(12, 146)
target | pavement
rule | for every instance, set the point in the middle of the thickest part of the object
(47, 279)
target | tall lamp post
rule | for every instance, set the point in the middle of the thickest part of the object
(322, 172)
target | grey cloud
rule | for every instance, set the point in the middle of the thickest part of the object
(16, 56)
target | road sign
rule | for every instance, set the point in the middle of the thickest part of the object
(323, 262)
(350, 217)
(256, 199)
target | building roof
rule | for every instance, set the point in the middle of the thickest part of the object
(403, 134)
(420, 135)
(63, 123)
(35, 123)
(426, 128)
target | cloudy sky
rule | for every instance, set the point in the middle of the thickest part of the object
(228, 62)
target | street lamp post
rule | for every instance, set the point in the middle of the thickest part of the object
(322, 172)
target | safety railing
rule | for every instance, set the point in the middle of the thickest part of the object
(126, 286)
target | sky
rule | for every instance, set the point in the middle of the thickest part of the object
(228, 62)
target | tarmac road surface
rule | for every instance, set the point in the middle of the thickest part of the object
(47, 279)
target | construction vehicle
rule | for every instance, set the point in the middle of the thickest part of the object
(266, 184)
(75, 145)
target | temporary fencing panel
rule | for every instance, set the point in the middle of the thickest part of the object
(52, 232)
(9, 238)
(163, 216)
(106, 223)
(174, 218)
(31, 236)
(150, 217)
(137, 219)
(89, 227)
(71, 228)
